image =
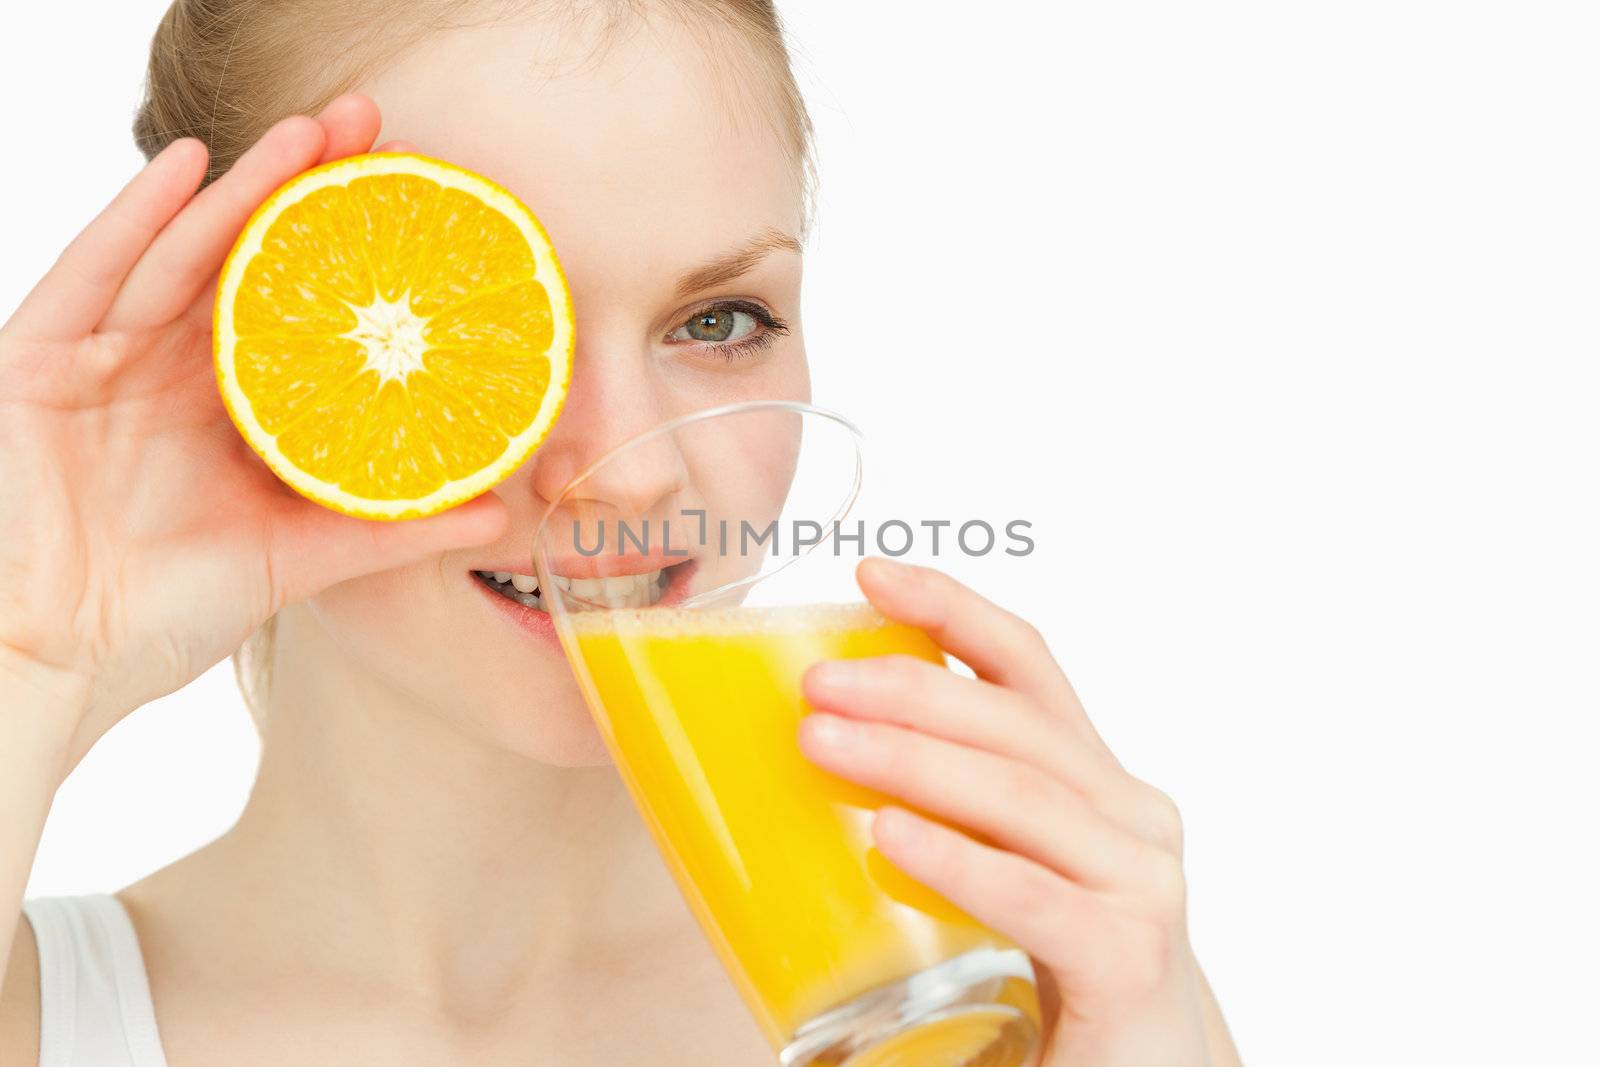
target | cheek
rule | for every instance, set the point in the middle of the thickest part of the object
(789, 376)
(781, 373)
(414, 644)
(380, 619)
(794, 379)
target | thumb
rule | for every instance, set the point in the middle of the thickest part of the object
(314, 547)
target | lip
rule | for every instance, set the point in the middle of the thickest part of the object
(532, 620)
(539, 623)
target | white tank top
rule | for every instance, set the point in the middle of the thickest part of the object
(94, 999)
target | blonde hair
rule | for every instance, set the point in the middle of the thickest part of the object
(226, 70)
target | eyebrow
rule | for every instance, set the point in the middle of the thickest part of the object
(730, 265)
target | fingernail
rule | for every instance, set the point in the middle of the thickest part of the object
(830, 731)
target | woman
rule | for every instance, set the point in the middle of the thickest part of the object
(437, 865)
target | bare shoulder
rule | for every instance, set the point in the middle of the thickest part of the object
(19, 1000)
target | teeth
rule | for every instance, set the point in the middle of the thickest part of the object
(588, 588)
(513, 589)
(623, 591)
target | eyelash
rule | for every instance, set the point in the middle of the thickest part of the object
(772, 328)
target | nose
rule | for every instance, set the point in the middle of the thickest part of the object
(613, 396)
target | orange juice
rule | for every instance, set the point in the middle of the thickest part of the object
(700, 710)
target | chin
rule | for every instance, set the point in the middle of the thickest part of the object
(554, 729)
(548, 723)
(458, 655)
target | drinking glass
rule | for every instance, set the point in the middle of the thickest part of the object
(692, 574)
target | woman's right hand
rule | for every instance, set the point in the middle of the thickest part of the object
(141, 540)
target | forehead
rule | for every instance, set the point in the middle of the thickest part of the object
(652, 143)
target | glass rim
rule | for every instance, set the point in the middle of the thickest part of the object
(673, 425)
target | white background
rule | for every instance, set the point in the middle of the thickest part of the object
(1279, 320)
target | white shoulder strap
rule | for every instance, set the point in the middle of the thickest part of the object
(94, 997)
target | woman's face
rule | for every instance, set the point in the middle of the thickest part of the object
(651, 157)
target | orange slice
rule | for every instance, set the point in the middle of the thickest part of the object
(393, 334)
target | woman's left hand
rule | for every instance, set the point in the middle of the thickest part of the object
(1084, 870)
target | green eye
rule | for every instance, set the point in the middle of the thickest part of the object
(729, 328)
(716, 325)
(711, 326)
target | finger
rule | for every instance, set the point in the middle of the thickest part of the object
(190, 251)
(909, 692)
(73, 296)
(397, 146)
(912, 692)
(198, 313)
(1050, 917)
(313, 547)
(1007, 801)
(997, 645)
(351, 124)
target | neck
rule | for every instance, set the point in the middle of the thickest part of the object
(393, 839)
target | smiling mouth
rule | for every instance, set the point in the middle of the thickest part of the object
(626, 591)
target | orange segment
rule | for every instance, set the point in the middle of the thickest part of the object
(393, 334)
(475, 444)
(488, 377)
(515, 317)
(394, 454)
(309, 446)
(278, 297)
(321, 233)
(289, 375)
(395, 213)
(472, 248)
